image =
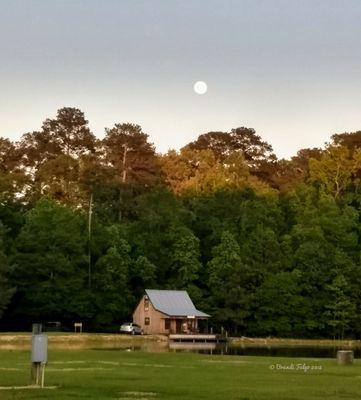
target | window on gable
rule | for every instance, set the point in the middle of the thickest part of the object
(146, 304)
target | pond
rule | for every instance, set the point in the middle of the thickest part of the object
(157, 345)
(282, 351)
(238, 350)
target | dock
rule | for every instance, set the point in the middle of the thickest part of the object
(190, 346)
(199, 337)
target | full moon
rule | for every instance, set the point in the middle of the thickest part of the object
(200, 87)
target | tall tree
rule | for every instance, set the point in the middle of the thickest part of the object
(282, 308)
(59, 179)
(256, 152)
(324, 239)
(231, 301)
(112, 295)
(132, 158)
(69, 132)
(52, 156)
(184, 262)
(336, 169)
(350, 140)
(12, 177)
(66, 134)
(127, 149)
(340, 310)
(200, 172)
(286, 175)
(51, 264)
(142, 276)
(160, 222)
(6, 291)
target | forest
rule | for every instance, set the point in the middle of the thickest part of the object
(267, 246)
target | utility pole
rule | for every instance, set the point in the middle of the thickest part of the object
(89, 238)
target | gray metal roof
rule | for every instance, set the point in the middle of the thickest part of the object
(175, 303)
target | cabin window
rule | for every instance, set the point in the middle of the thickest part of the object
(146, 304)
(167, 324)
(146, 321)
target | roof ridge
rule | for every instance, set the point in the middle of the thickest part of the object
(168, 290)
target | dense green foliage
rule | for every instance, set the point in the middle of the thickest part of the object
(267, 246)
(6, 290)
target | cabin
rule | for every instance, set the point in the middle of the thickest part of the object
(167, 312)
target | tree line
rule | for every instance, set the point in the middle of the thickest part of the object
(267, 246)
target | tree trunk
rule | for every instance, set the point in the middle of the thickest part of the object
(124, 179)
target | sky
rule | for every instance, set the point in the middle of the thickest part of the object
(289, 69)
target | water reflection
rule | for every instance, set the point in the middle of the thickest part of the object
(239, 350)
(281, 351)
(155, 346)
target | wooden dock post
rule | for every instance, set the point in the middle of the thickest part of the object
(201, 337)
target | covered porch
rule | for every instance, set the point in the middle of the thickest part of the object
(185, 325)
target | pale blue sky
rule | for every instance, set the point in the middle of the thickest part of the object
(289, 69)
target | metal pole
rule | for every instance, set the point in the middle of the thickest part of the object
(89, 239)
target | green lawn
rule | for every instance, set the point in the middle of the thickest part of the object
(111, 374)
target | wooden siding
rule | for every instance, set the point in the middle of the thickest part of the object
(156, 319)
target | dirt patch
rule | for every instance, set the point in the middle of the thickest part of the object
(69, 362)
(134, 398)
(226, 361)
(78, 369)
(130, 364)
(31, 387)
(137, 396)
(108, 362)
(9, 369)
(9, 341)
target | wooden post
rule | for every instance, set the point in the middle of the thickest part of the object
(42, 374)
(34, 373)
(344, 357)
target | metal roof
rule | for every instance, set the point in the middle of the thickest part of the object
(175, 303)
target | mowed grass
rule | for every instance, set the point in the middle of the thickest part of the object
(112, 374)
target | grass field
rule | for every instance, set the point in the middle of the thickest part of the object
(112, 374)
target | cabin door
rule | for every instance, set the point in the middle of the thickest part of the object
(178, 326)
